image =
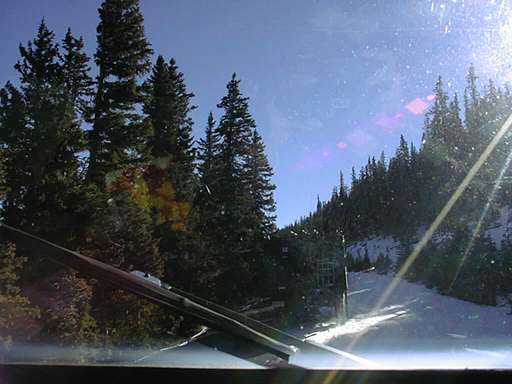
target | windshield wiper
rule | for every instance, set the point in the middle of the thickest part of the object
(203, 311)
(178, 302)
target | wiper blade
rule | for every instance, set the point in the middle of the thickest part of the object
(203, 311)
(177, 301)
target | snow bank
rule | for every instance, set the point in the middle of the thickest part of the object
(375, 245)
(498, 231)
(388, 245)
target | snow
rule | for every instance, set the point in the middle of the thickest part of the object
(388, 245)
(375, 245)
(498, 231)
(419, 328)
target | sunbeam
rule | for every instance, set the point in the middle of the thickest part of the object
(495, 189)
(440, 218)
(351, 326)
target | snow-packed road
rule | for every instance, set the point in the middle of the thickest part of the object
(418, 327)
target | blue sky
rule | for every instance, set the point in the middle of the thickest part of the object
(330, 82)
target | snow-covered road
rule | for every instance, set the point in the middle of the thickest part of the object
(418, 327)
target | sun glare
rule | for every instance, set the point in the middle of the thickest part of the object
(497, 47)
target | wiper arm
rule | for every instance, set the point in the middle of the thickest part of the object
(188, 306)
(203, 311)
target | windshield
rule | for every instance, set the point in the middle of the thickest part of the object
(307, 176)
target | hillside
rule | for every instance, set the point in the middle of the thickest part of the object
(377, 244)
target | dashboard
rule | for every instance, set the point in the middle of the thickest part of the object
(22, 373)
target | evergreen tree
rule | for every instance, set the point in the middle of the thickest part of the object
(435, 153)
(472, 110)
(40, 71)
(3, 183)
(122, 57)
(456, 139)
(122, 236)
(260, 188)
(14, 141)
(230, 189)
(206, 154)
(186, 154)
(438, 118)
(158, 105)
(48, 136)
(342, 188)
(78, 84)
(207, 169)
(167, 105)
(400, 188)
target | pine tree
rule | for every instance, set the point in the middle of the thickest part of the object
(471, 105)
(258, 175)
(207, 169)
(168, 107)
(15, 140)
(435, 153)
(77, 89)
(186, 153)
(4, 187)
(353, 180)
(206, 153)
(342, 188)
(122, 236)
(3, 183)
(48, 135)
(39, 71)
(456, 138)
(78, 84)
(230, 191)
(438, 118)
(122, 57)
(400, 188)
(158, 105)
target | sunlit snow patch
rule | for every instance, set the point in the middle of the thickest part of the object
(351, 326)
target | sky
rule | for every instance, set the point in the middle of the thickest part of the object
(330, 82)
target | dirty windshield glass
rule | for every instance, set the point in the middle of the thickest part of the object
(181, 181)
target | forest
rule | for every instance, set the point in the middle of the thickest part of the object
(401, 197)
(104, 162)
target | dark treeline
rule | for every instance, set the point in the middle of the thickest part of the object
(401, 197)
(108, 166)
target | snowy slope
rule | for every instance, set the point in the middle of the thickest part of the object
(418, 327)
(501, 227)
(375, 246)
(388, 245)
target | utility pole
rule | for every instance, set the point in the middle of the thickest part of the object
(345, 276)
(341, 283)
